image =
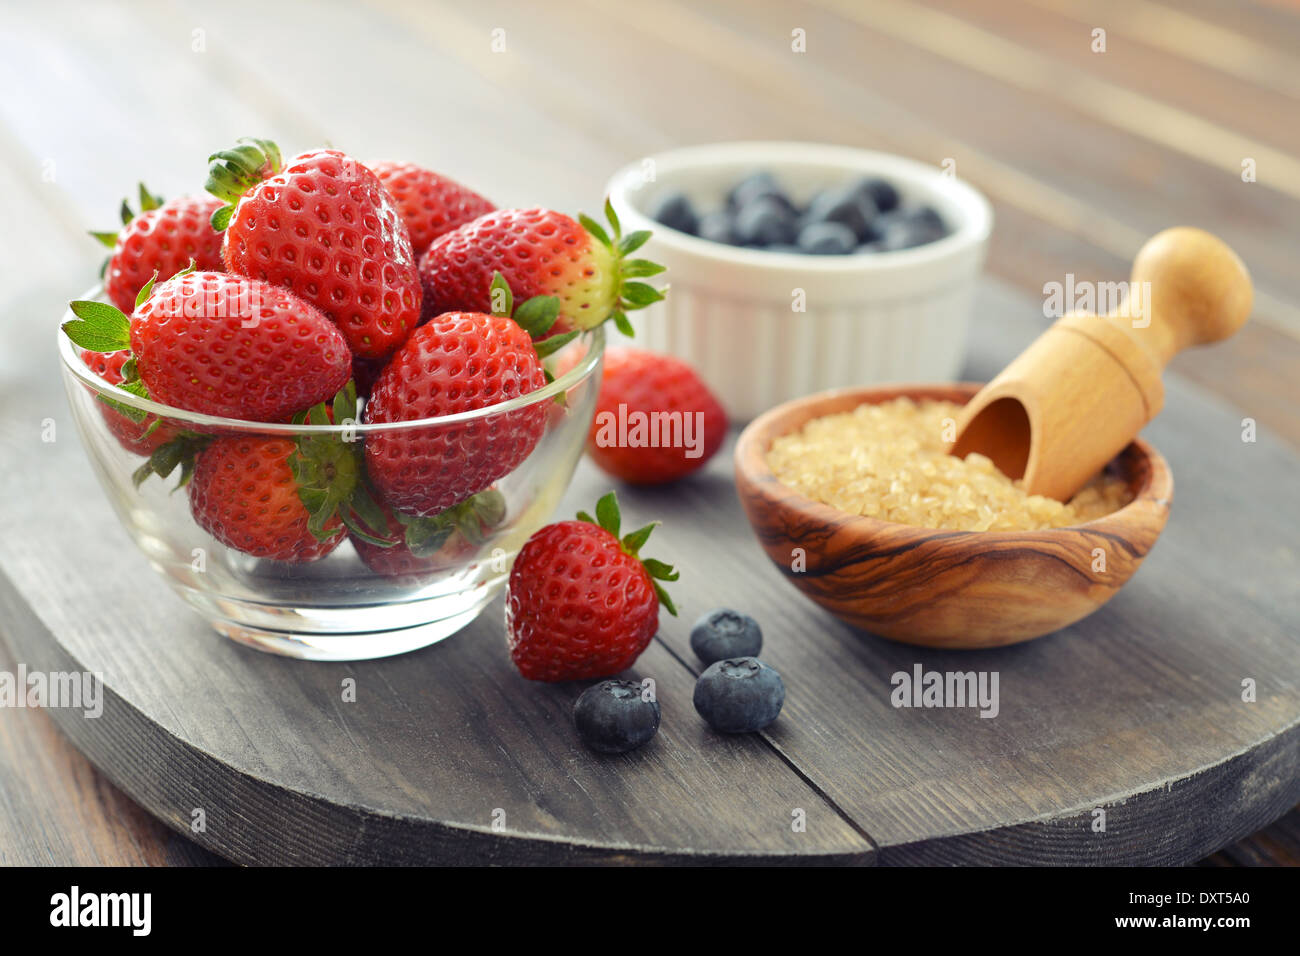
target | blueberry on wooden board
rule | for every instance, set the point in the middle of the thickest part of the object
(614, 716)
(764, 222)
(827, 239)
(882, 193)
(843, 205)
(724, 633)
(739, 695)
(718, 227)
(675, 211)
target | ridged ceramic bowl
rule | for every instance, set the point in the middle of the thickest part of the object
(870, 317)
(339, 606)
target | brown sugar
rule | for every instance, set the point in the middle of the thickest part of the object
(889, 461)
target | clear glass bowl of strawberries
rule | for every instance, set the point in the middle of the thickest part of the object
(329, 440)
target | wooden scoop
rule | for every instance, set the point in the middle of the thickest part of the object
(1084, 389)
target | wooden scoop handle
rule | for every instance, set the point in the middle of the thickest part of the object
(1084, 388)
(1194, 291)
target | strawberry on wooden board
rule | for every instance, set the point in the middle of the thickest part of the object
(420, 546)
(220, 344)
(430, 203)
(161, 240)
(323, 226)
(655, 421)
(541, 252)
(459, 362)
(581, 603)
(142, 436)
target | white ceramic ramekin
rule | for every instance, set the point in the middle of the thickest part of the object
(868, 318)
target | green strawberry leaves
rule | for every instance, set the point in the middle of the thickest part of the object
(148, 201)
(630, 295)
(98, 326)
(535, 316)
(101, 327)
(474, 518)
(233, 172)
(609, 518)
(182, 451)
(329, 472)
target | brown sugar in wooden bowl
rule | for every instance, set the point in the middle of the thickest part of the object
(939, 588)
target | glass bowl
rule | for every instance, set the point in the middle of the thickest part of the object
(336, 607)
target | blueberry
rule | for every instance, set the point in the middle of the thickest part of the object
(612, 717)
(882, 193)
(717, 227)
(764, 222)
(906, 229)
(846, 206)
(927, 216)
(675, 211)
(739, 695)
(827, 239)
(753, 187)
(724, 633)
(785, 248)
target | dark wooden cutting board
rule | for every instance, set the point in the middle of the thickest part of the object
(448, 756)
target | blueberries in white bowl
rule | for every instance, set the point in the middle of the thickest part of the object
(864, 216)
(675, 211)
(765, 221)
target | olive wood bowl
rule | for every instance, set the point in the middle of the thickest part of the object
(949, 589)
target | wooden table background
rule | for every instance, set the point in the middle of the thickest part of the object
(1083, 155)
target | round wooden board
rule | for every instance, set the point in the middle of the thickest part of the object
(448, 756)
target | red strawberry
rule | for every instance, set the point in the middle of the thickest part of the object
(458, 362)
(161, 241)
(326, 228)
(430, 203)
(245, 494)
(540, 252)
(655, 420)
(141, 437)
(223, 345)
(420, 546)
(580, 603)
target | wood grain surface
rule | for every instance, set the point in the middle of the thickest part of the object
(1082, 154)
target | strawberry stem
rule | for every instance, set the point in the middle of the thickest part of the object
(630, 295)
(609, 519)
(233, 172)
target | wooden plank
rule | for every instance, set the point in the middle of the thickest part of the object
(1133, 61)
(56, 809)
(1271, 24)
(1263, 61)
